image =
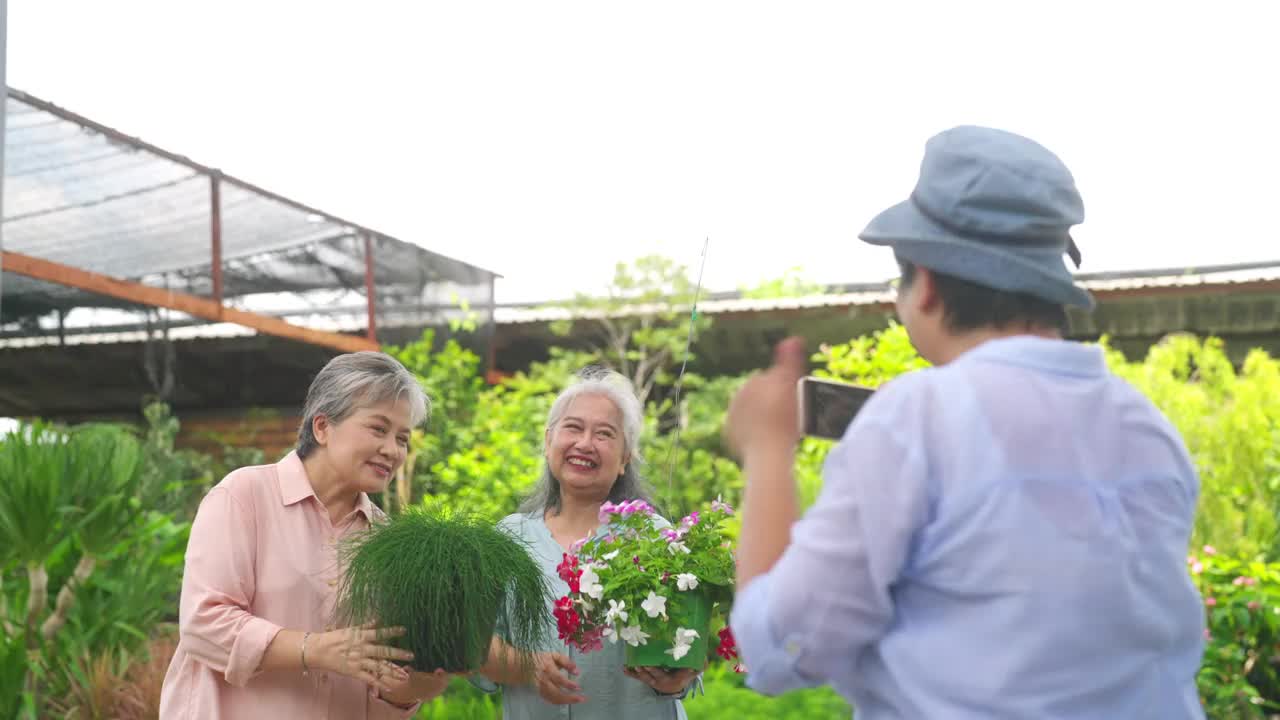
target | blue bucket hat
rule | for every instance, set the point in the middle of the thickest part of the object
(993, 208)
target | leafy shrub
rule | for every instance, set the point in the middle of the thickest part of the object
(1240, 674)
(728, 698)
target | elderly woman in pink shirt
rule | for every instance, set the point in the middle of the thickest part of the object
(262, 571)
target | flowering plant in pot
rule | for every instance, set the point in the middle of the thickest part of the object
(449, 580)
(659, 589)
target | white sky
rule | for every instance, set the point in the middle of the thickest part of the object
(548, 140)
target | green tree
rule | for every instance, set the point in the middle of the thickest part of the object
(792, 283)
(641, 326)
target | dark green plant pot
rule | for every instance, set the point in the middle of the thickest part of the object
(696, 606)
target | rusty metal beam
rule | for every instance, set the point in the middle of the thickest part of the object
(60, 274)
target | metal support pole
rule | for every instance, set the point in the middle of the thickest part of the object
(491, 353)
(369, 287)
(4, 101)
(215, 234)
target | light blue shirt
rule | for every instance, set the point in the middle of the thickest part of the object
(1001, 537)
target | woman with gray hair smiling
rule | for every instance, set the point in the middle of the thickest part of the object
(262, 566)
(591, 453)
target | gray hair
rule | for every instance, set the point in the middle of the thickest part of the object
(355, 380)
(596, 380)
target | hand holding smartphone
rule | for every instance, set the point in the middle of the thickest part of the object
(827, 406)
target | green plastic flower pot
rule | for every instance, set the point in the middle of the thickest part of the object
(695, 610)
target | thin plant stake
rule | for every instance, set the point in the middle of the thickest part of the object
(693, 317)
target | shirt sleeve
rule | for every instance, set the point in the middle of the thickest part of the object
(217, 589)
(827, 599)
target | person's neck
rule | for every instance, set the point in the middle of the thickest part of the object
(336, 496)
(961, 343)
(577, 517)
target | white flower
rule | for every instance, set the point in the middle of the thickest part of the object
(616, 611)
(611, 635)
(634, 635)
(589, 583)
(677, 547)
(609, 556)
(683, 642)
(655, 605)
(686, 581)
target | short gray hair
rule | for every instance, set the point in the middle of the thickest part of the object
(596, 380)
(355, 380)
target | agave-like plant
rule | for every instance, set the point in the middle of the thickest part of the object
(34, 475)
(452, 580)
(57, 483)
(105, 470)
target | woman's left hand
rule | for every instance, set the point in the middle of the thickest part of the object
(672, 683)
(420, 687)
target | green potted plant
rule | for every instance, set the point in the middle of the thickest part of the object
(449, 580)
(659, 589)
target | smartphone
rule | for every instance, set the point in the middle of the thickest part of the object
(828, 406)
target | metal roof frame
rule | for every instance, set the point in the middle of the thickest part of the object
(214, 308)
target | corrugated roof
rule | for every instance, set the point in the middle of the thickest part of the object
(1224, 276)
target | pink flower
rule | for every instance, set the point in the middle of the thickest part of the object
(1254, 605)
(1208, 550)
(690, 520)
(669, 535)
(1207, 635)
(1197, 568)
(1211, 601)
(721, 507)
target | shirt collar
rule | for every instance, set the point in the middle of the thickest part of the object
(1060, 357)
(296, 487)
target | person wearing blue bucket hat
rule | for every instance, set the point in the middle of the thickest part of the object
(1001, 535)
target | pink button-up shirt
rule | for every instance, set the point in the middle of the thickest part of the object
(262, 557)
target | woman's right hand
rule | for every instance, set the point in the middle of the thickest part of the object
(356, 652)
(551, 677)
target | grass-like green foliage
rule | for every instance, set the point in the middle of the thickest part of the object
(452, 580)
